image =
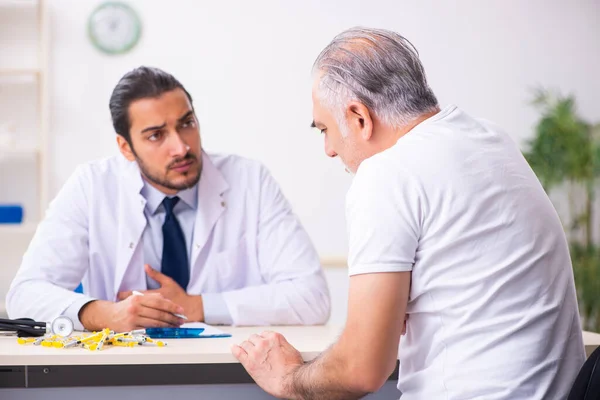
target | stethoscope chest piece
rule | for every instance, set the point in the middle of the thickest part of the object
(62, 326)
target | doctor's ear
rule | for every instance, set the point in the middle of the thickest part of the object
(125, 148)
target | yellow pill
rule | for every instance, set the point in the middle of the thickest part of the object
(58, 345)
(46, 343)
(161, 344)
(21, 340)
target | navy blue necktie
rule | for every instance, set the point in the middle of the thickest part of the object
(174, 255)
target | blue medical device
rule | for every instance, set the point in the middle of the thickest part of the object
(174, 333)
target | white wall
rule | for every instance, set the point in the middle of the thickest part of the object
(247, 64)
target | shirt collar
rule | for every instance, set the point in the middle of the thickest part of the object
(154, 197)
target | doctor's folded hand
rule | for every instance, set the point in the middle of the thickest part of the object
(193, 307)
(151, 310)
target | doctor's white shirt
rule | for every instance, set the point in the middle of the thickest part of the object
(215, 309)
(250, 258)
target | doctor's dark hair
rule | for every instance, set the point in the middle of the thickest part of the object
(141, 83)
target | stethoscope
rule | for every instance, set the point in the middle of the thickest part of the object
(26, 327)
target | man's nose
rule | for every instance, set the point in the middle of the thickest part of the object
(178, 146)
(329, 151)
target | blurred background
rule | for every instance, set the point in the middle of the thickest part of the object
(530, 66)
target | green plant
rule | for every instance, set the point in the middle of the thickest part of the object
(565, 155)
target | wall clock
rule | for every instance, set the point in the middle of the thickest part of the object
(114, 27)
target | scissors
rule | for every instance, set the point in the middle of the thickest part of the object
(27, 327)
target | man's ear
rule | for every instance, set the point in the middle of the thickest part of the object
(359, 119)
(125, 148)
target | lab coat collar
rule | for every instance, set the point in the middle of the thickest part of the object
(211, 204)
(132, 223)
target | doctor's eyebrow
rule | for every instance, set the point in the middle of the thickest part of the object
(154, 128)
(186, 116)
(158, 127)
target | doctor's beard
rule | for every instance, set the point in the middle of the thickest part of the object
(192, 179)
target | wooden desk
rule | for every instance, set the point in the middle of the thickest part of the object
(591, 340)
(185, 361)
(182, 362)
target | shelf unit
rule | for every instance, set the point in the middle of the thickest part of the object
(18, 3)
(23, 127)
(23, 108)
(18, 229)
(16, 72)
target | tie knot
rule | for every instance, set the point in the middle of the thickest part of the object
(169, 204)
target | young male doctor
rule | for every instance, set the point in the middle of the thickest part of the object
(210, 237)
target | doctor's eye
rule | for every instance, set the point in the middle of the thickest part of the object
(155, 136)
(191, 123)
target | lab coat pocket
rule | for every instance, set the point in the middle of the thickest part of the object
(232, 266)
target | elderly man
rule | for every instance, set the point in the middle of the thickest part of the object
(447, 224)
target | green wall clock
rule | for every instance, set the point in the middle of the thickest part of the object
(114, 27)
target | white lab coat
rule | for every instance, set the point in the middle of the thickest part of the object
(247, 245)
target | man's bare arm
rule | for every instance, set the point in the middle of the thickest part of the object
(359, 363)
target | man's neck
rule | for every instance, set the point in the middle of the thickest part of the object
(403, 130)
(388, 136)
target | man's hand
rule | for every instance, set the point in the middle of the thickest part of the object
(193, 308)
(152, 310)
(360, 361)
(270, 360)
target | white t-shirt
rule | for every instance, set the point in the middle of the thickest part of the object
(492, 307)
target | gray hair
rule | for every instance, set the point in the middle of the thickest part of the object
(380, 69)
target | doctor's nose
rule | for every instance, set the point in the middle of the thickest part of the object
(178, 147)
